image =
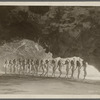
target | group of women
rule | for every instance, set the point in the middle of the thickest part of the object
(46, 67)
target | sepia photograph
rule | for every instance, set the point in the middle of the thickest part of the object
(49, 50)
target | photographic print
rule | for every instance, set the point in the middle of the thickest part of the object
(49, 50)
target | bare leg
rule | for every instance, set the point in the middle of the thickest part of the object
(53, 73)
(33, 70)
(67, 71)
(42, 71)
(60, 72)
(5, 69)
(46, 74)
(78, 73)
(85, 73)
(10, 69)
(37, 70)
(72, 73)
(17, 69)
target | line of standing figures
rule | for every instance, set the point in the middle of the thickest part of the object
(41, 67)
